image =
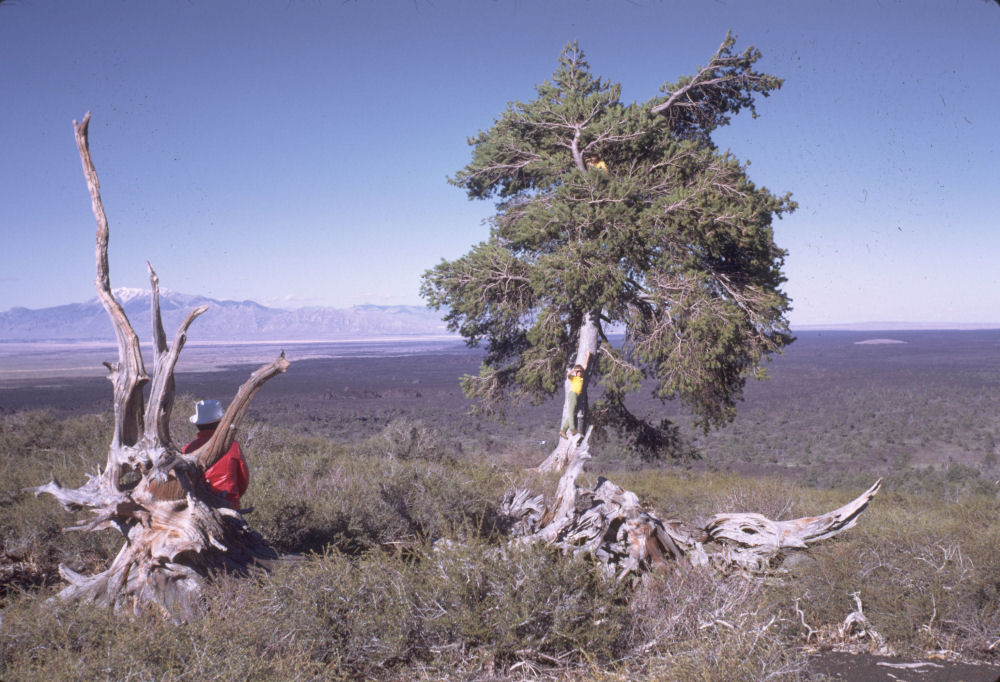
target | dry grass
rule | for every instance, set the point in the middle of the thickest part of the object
(405, 575)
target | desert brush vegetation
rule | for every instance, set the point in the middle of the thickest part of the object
(404, 570)
(181, 532)
(394, 555)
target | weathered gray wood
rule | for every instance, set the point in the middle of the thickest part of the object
(209, 453)
(586, 352)
(128, 375)
(178, 532)
(161, 393)
(610, 524)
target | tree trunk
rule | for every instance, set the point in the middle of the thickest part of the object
(178, 531)
(588, 344)
(608, 523)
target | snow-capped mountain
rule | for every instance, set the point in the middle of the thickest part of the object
(224, 321)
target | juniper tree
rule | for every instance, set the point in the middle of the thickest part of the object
(613, 216)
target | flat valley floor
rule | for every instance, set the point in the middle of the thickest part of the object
(838, 406)
(840, 409)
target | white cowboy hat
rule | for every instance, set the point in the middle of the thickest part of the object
(206, 412)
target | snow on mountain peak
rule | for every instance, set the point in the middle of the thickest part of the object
(127, 294)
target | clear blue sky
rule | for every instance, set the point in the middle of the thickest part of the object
(295, 152)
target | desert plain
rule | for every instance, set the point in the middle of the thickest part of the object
(919, 409)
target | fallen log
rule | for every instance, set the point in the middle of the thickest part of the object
(609, 523)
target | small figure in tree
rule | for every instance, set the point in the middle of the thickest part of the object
(229, 477)
(575, 377)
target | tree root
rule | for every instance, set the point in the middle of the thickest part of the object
(610, 524)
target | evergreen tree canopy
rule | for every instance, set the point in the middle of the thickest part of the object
(620, 217)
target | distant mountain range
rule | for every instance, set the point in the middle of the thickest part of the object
(224, 321)
(250, 321)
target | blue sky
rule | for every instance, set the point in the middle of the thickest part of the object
(295, 152)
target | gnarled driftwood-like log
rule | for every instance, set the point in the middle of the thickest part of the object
(178, 532)
(610, 524)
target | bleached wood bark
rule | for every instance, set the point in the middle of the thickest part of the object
(587, 347)
(178, 532)
(608, 523)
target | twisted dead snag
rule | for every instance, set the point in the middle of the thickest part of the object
(178, 531)
(608, 523)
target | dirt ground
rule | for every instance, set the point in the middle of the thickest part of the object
(868, 668)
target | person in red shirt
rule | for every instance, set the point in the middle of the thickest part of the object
(229, 477)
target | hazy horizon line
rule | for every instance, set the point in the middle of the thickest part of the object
(901, 326)
(866, 326)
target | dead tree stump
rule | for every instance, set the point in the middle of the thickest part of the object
(178, 532)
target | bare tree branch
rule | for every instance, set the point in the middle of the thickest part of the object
(178, 531)
(128, 375)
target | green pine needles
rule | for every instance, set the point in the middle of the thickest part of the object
(614, 217)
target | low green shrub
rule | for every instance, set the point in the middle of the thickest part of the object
(924, 568)
(405, 439)
(406, 575)
(35, 446)
(695, 625)
(308, 494)
(462, 607)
